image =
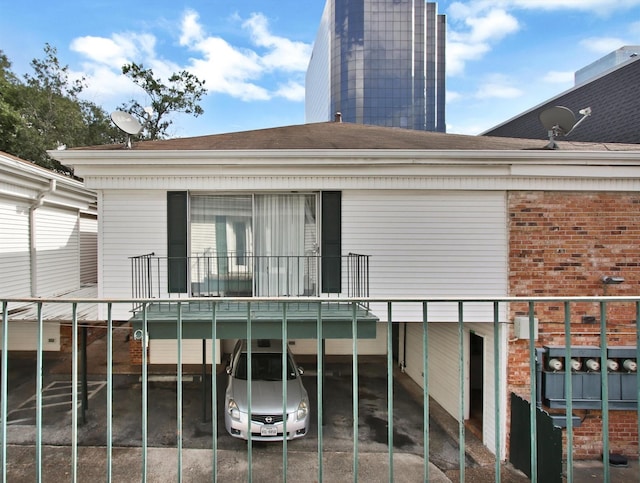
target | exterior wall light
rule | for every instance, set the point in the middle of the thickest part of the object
(609, 280)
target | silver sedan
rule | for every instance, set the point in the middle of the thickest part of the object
(267, 417)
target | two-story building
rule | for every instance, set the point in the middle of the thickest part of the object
(316, 210)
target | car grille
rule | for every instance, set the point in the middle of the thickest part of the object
(266, 418)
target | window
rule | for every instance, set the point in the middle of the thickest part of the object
(253, 244)
(262, 244)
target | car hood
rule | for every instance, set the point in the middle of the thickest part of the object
(266, 396)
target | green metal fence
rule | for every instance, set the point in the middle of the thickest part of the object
(499, 322)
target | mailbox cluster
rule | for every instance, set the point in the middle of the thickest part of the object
(588, 370)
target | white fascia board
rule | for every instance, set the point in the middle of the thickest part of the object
(541, 163)
(26, 180)
(352, 156)
(429, 162)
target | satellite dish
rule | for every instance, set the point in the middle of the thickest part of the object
(558, 117)
(127, 123)
(560, 121)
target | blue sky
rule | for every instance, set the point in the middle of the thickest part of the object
(503, 56)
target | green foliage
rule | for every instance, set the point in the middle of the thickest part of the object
(182, 94)
(44, 112)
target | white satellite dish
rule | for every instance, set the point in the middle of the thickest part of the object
(560, 121)
(127, 123)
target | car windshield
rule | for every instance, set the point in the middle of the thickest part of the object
(264, 367)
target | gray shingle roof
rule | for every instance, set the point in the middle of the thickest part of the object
(336, 135)
(614, 98)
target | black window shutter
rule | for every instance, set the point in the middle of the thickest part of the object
(177, 241)
(331, 242)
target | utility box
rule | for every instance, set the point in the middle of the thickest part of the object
(521, 327)
(587, 377)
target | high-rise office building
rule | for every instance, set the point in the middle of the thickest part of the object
(379, 62)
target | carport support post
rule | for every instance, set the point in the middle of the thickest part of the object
(204, 379)
(324, 400)
(85, 399)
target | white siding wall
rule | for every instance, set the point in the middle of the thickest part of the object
(88, 249)
(165, 351)
(133, 222)
(429, 244)
(23, 335)
(58, 251)
(344, 346)
(434, 244)
(14, 249)
(443, 366)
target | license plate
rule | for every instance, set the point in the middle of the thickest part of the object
(268, 430)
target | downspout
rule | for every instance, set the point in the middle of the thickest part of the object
(39, 201)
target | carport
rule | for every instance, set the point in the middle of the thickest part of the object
(253, 318)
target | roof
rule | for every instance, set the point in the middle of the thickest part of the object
(24, 180)
(346, 136)
(614, 98)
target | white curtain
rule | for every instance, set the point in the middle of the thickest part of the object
(279, 225)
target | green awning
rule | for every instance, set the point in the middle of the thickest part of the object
(266, 319)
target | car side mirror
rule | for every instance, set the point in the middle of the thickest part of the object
(300, 370)
(228, 369)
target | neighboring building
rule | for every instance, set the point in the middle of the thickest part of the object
(379, 62)
(48, 247)
(606, 63)
(270, 212)
(609, 87)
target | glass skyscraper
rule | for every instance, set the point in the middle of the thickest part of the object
(379, 62)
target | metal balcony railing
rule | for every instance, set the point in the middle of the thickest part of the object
(39, 440)
(247, 275)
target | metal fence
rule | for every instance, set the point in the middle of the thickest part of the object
(538, 364)
(246, 275)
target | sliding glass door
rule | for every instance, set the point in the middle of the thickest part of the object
(262, 244)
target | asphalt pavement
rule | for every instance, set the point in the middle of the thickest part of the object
(163, 435)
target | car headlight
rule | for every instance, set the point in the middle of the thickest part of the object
(303, 409)
(233, 410)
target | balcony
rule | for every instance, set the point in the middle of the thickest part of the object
(247, 275)
(242, 287)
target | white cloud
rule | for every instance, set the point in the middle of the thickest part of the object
(559, 77)
(472, 7)
(472, 34)
(116, 50)
(292, 91)
(226, 69)
(191, 29)
(476, 26)
(238, 71)
(497, 87)
(492, 27)
(602, 45)
(460, 52)
(282, 53)
(600, 6)
(453, 96)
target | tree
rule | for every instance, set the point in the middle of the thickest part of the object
(10, 119)
(182, 94)
(45, 112)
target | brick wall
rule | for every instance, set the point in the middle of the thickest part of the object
(562, 243)
(135, 350)
(66, 336)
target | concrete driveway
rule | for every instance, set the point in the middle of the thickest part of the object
(232, 464)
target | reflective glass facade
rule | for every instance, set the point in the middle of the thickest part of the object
(379, 62)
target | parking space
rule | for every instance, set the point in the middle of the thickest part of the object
(196, 418)
(197, 427)
(57, 398)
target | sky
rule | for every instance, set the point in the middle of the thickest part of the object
(503, 56)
